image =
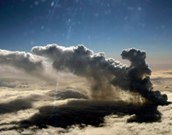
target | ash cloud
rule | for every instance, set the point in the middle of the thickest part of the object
(22, 60)
(25, 62)
(138, 76)
(104, 74)
(84, 62)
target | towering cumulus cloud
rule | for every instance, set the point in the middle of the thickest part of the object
(104, 74)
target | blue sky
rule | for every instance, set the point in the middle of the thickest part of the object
(101, 25)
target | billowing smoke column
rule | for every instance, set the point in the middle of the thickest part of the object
(104, 73)
(84, 62)
(137, 77)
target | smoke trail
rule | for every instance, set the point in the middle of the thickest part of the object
(104, 73)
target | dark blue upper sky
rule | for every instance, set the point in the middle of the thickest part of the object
(102, 25)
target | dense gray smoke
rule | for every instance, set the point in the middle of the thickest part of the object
(103, 73)
(138, 77)
(84, 62)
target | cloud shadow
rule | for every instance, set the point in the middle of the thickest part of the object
(14, 106)
(85, 112)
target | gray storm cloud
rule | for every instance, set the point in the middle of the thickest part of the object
(104, 74)
(22, 60)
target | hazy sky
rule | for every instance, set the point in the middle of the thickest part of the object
(101, 25)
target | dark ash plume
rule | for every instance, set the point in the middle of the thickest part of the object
(105, 74)
(138, 76)
(84, 62)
